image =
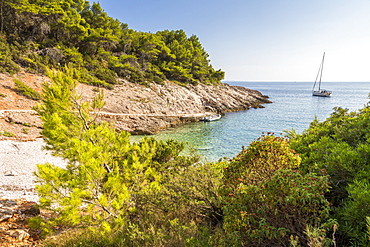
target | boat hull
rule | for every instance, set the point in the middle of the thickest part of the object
(322, 93)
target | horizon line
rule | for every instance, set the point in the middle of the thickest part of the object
(284, 81)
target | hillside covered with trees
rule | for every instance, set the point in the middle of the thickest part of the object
(39, 34)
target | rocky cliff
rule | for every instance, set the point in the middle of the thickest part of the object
(135, 108)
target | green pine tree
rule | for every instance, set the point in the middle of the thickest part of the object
(106, 174)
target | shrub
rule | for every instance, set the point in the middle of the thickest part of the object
(357, 209)
(105, 74)
(267, 200)
(25, 90)
(7, 133)
(84, 76)
(340, 145)
(6, 58)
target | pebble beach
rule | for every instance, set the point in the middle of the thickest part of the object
(18, 162)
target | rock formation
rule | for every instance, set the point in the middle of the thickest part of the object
(142, 109)
(132, 107)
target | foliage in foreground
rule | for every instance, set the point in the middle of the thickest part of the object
(341, 146)
(267, 200)
(146, 192)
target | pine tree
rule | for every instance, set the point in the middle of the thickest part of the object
(106, 174)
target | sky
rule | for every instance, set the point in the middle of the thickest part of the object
(264, 40)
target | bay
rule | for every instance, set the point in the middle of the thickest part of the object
(293, 107)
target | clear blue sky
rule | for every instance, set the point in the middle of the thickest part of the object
(264, 40)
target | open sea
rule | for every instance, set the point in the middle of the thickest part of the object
(293, 107)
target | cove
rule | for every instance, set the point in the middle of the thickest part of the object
(293, 107)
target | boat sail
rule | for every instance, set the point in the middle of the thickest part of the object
(320, 92)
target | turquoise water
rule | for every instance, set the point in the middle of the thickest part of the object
(293, 107)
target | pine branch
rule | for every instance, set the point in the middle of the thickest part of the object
(80, 114)
(100, 206)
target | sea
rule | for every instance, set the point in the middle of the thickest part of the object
(292, 107)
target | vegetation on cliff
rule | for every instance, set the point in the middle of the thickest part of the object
(42, 34)
(117, 193)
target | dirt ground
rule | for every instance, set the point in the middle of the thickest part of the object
(17, 125)
(14, 229)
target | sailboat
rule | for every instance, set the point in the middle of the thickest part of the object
(320, 92)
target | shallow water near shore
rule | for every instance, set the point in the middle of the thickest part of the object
(293, 107)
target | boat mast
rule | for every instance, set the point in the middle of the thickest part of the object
(322, 67)
(319, 73)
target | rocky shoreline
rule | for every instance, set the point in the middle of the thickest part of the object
(147, 110)
(135, 108)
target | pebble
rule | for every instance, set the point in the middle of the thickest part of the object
(18, 234)
(18, 162)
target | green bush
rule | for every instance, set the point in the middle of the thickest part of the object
(266, 199)
(83, 238)
(356, 210)
(340, 145)
(105, 74)
(6, 58)
(25, 130)
(82, 75)
(7, 133)
(25, 90)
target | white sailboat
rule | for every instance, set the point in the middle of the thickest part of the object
(320, 92)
